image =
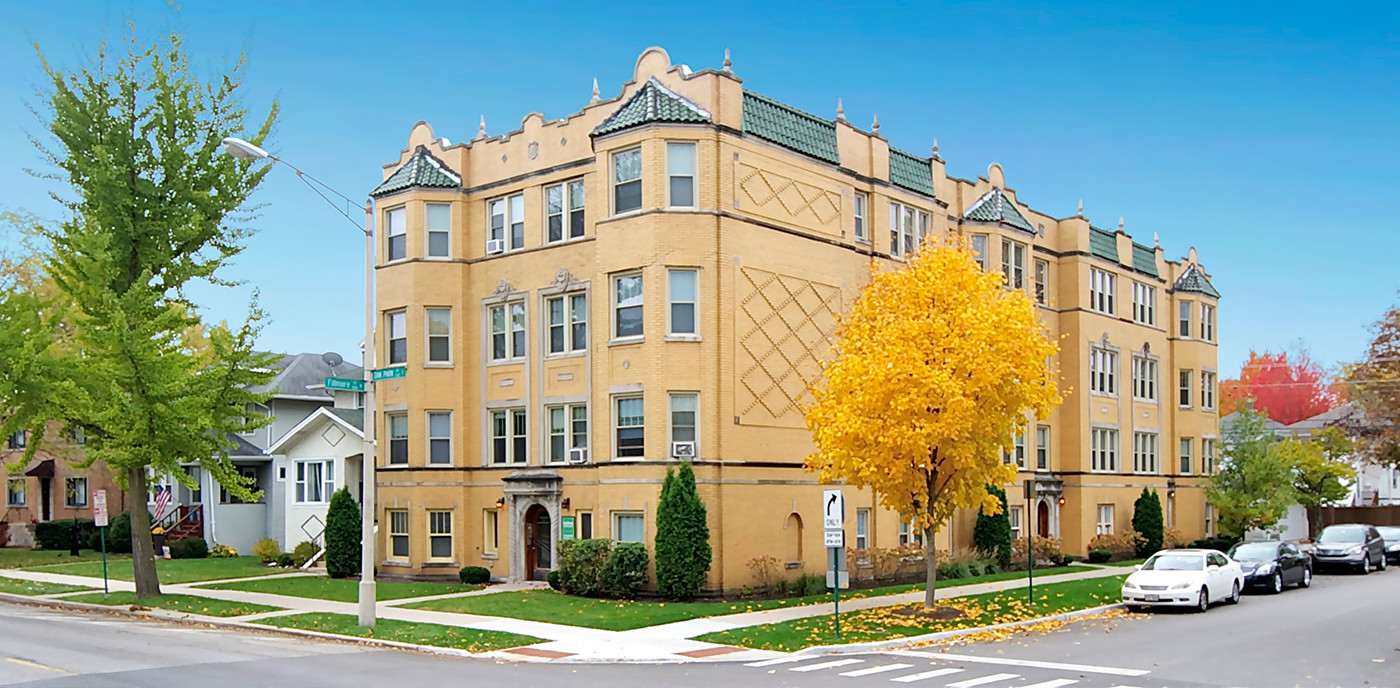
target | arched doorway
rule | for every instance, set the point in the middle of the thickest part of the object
(539, 547)
(1042, 519)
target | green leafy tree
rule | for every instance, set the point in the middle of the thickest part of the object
(1322, 471)
(104, 341)
(682, 537)
(1255, 484)
(1374, 386)
(992, 534)
(343, 535)
(1148, 522)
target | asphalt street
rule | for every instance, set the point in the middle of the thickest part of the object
(1345, 631)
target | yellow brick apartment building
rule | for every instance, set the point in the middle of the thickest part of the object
(583, 302)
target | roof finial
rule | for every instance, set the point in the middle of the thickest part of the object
(728, 63)
(876, 126)
(1156, 242)
(595, 91)
(481, 128)
(1120, 223)
(1081, 207)
(935, 146)
(840, 110)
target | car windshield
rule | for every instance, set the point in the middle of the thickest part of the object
(1349, 534)
(1175, 562)
(1390, 533)
(1254, 551)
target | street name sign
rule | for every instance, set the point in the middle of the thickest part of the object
(390, 373)
(345, 384)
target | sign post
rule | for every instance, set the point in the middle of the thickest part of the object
(99, 517)
(1030, 539)
(834, 536)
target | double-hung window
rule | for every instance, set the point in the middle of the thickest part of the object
(1013, 516)
(563, 211)
(682, 297)
(1103, 370)
(398, 336)
(19, 440)
(908, 227)
(862, 528)
(508, 331)
(1042, 280)
(627, 305)
(860, 207)
(1184, 320)
(1103, 450)
(315, 481)
(1102, 285)
(396, 222)
(1208, 322)
(1105, 520)
(568, 323)
(439, 335)
(1042, 447)
(627, 180)
(1208, 455)
(685, 407)
(15, 492)
(1207, 390)
(509, 436)
(398, 437)
(439, 227)
(680, 174)
(1186, 456)
(1018, 451)
(1144, 303)
(398, 534)
(630, 421)
(1145, 452)
(439, 438)
(568, 429)
(1184, 389)
(1144, 378)
(439, 534)
(1013, 263)
(507, 221)
(75, 492)
(979, 250)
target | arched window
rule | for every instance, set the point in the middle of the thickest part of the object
(794, 537)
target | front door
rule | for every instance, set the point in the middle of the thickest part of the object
(45, 499)
(538, 543)
(1042, 520)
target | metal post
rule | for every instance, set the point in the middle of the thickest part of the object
(1030, 540)
(836, 588)
(368, 454)
(102, 535)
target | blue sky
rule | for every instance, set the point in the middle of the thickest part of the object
(1262, 134)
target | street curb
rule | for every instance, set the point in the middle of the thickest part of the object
(898, 643)
(187, 619)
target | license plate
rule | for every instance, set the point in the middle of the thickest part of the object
(1152, 598)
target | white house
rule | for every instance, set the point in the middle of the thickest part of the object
(314, 459)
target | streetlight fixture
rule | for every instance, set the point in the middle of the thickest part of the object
(244, 150)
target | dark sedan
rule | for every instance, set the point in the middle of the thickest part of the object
(1272, 565)
(1356, 546)
(1391, 535)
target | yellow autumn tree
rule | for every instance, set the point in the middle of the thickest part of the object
(935, 367)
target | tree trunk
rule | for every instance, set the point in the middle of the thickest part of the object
(1314, 521)
(143, 558)
(931, 576)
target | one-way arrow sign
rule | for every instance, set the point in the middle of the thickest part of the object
(833, 509)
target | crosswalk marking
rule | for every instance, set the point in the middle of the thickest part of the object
(1053, 683)
(982, 680)
(778, 660)
(827, 665)
(927, 674)
(876, 670)
(961, 658)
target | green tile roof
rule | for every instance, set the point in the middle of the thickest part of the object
(911, 172)
(421, 170)
(1144, 259)
(1103, 243)
(1194, 279)
(995, 206)
(652, 103)
(789, 127)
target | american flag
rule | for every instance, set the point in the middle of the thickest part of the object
(162, 500)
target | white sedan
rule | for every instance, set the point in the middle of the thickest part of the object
(1184, 578)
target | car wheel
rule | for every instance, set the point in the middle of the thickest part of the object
(1365, 565)
(1307, 578)
(1234, 594)
(1203, 603)
(1277, 586)
(1381, 566)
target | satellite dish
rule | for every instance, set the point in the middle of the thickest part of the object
(332, 359)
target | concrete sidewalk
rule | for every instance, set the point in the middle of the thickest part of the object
(663, 643)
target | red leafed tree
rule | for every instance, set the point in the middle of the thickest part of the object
(1286, 387)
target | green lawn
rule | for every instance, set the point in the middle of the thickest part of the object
(885, 622)
(343, 589)
(436, 635)
(1126, 562)
(178, 603)
(14, 558)
(172, 570)
(621, 615)
(15, 586)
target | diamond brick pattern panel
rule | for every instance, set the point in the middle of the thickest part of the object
(784, 199)
(784, 324)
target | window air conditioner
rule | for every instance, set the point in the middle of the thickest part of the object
(578, 456)
(683, 450)
(494, 246)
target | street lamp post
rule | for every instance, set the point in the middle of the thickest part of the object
(239, 148)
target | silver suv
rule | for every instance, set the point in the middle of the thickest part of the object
(1356, 546)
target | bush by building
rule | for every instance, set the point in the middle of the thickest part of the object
(60, 535)
(992, 534)
(118, 535)
(342, 535)
(189, 548)
(581, 565)
(1147, 521)
(474, 575)
(303, 552)
(682, 537)
(267, 550)
(626, 569)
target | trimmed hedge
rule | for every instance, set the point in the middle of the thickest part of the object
(342, 535)
(1099, 556)
(118, 535)
(1221, 543)
(474, 575)
(626, 570)
(597, 568)
(303, 552)
(58, 535)
(189, 548)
